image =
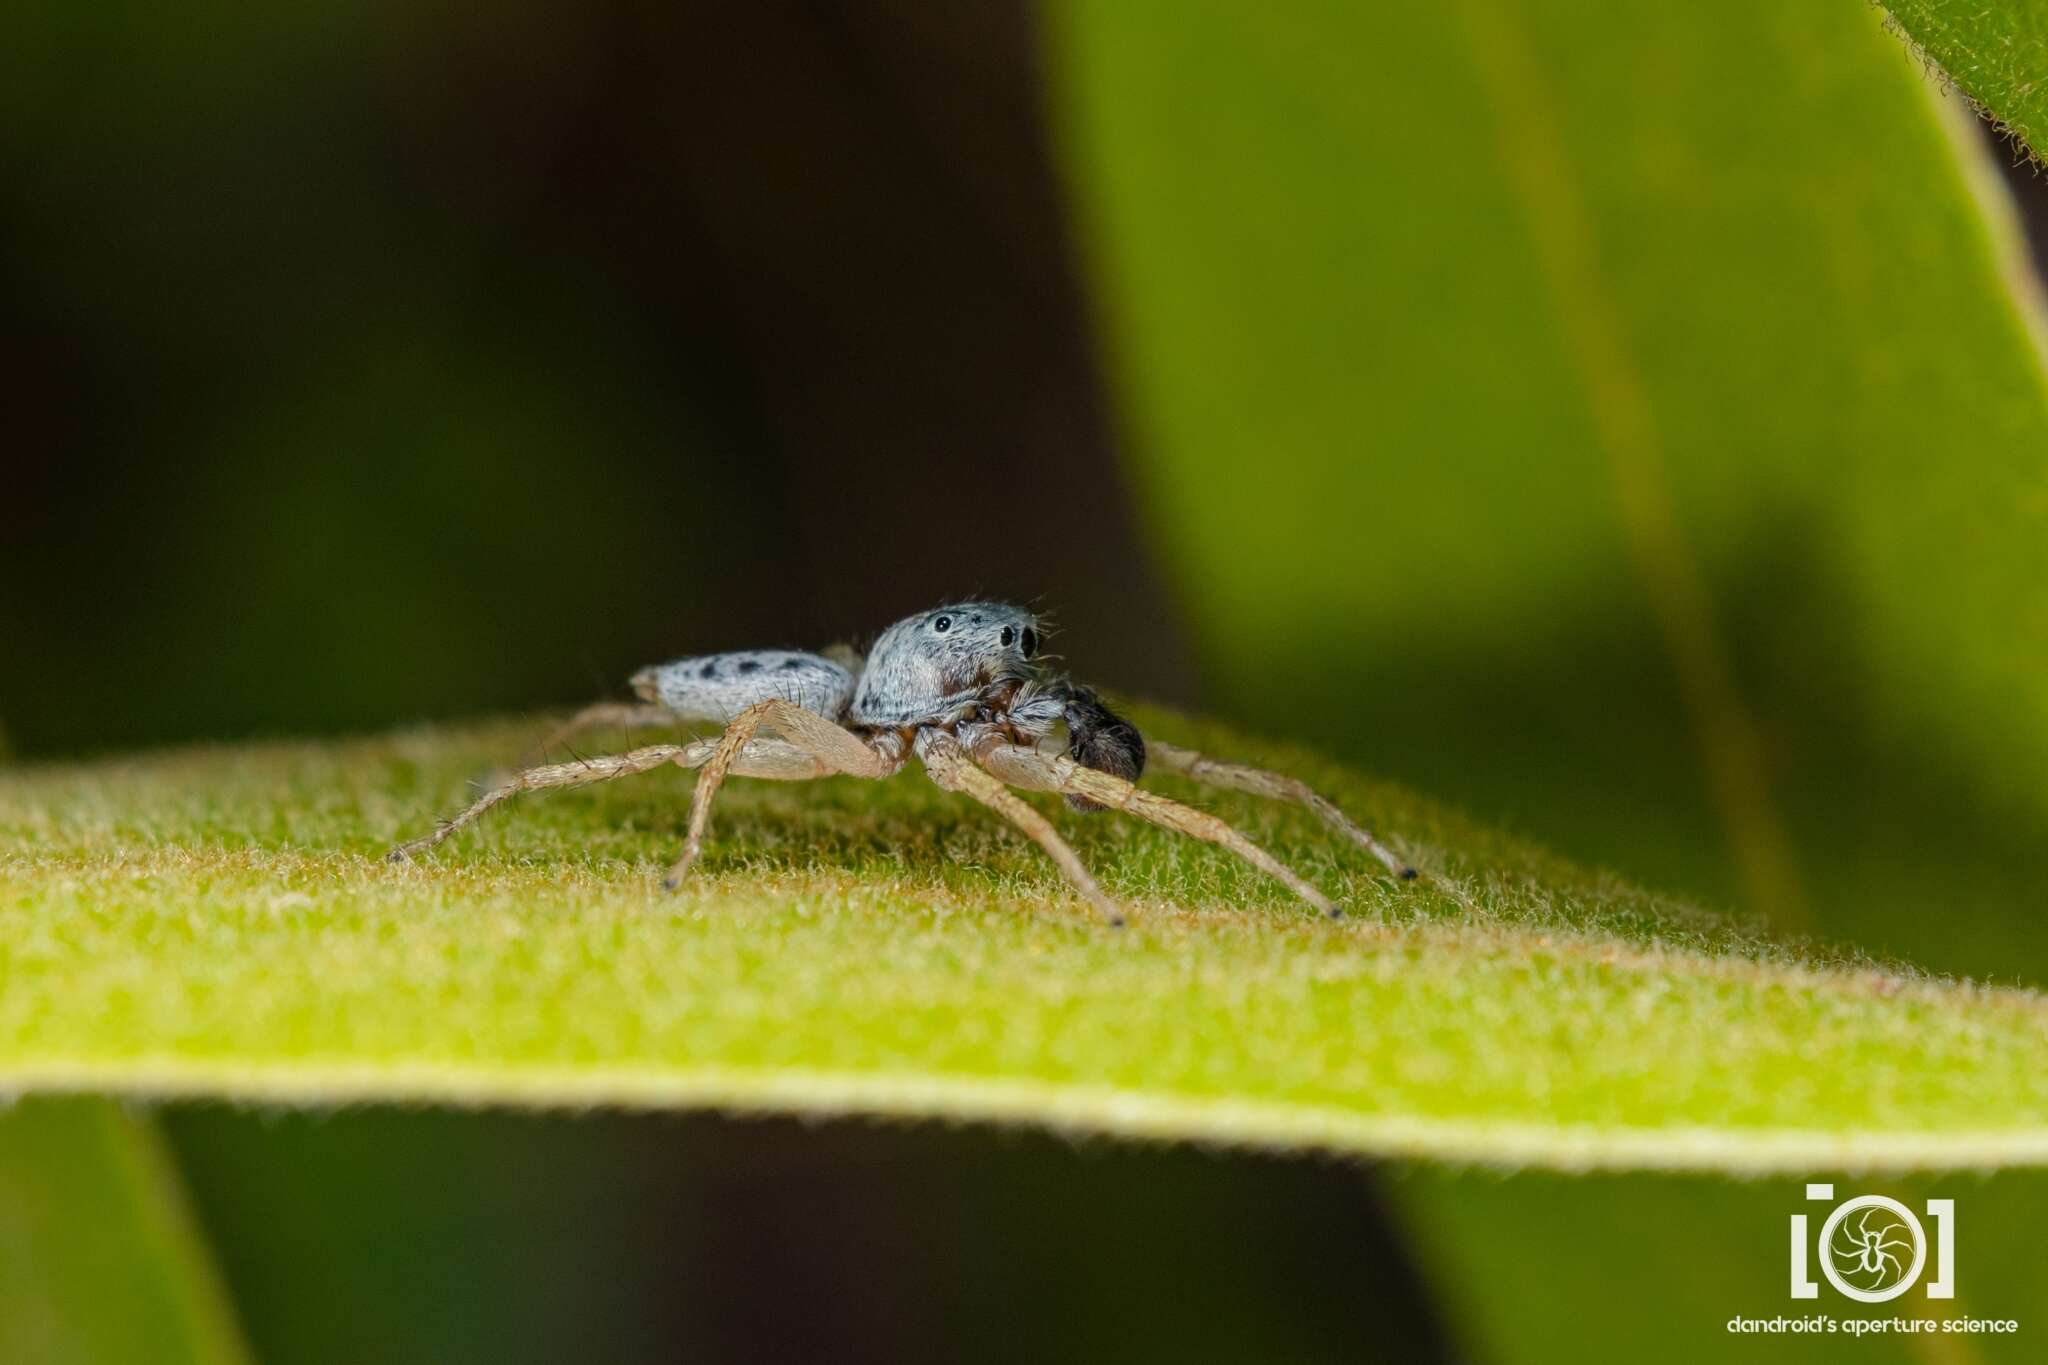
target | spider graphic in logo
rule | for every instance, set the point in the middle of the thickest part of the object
(1873, 1248)
(1866, 1255)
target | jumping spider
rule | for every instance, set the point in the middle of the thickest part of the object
(958, 687)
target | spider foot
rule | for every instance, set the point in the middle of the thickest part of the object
(403, 853)
(673, 881)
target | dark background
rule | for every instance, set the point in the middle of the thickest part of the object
(393, 364)
(376, 363)
(420, 366)
(615, 1238)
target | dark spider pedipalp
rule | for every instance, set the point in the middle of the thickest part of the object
(1099, 738)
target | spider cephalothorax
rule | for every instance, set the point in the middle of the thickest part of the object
(940, 665)
(964, 688)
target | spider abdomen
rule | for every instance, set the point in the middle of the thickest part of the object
(717, 687)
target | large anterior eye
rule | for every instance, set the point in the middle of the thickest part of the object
(942, 624)
(1008, 635)
(1030, 642)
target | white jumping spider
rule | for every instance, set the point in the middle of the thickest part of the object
(958, 687)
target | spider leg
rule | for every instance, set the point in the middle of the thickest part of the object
(831, 747)
(769, 758)
(608, 715)
(577, 774)
(949, 767)
(1276, 786)
(1022, 767)
(1840, 1250)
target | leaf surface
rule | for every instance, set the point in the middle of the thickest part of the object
(218, 922)
(1996, 53)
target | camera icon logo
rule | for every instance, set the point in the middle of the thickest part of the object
(1873, 1248)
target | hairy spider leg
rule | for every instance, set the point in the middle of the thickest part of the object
(949, 767)
(764, 758)
(1277, 787)
(834, 748)
(1030, 769)
(601, 768)
(609, 715)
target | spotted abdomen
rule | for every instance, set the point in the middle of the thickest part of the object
(717, 687)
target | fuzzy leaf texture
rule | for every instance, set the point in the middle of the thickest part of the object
(1997, 54)
(219, 922)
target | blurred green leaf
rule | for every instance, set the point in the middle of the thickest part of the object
(1572, 410)
(220, 922)
(1625, 419)
(1996, 53)
(1612, 1271)
(99, 1260)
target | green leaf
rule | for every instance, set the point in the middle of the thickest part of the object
(219, 922)
(1604, 1271)
(1996, 53)
(99, 1261)
(1625, 419)
(1611, 415)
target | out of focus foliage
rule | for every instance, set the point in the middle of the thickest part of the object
(99, 1257)
(1624, 419)
(1613, 416)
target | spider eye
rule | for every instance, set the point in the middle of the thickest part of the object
(1008, 635)
(942, 624)
(1030, 642)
